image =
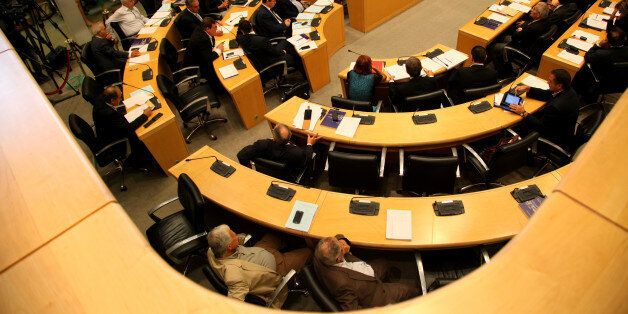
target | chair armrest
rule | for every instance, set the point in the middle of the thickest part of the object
(331, 148)
(382, 162)
(401, 162)
(182, 243)
(151, 212)
(275, 40)
(185, 80)
(454, 152)
(107, 72)
(588, 66)
(451, 103)
(195, 68)
(112, 144)
(197, 100)
(513, 133)
(475, 155)
(558, 149)
(276, 64)
(378, 106)
(184, 42)
(280, 287)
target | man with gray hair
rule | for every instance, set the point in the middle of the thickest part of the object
(354, 283)
(129, 18)
(105, 55)
(257, 270)
(417, 85)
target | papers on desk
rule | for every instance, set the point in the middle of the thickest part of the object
(590, 38)
(297, 122)
(519, 7)
(306, 16)
(298, 40)
(303, 24)
(522, 1)
(431, 65)
(398, 224)
(323, 3)
(140, 59)
(134, 114)
(534, 81)
(398, 72)
(225, 28)
(165, 7)
(228, 71)
(231, 54)
(609, 9)
(147, 30)
(148, 89)
(348, 126)
(161, 14)
(582, 45)
(502, 9)
(498, 17)
(571, 57)
(599, 17)
(599, 25)
(235, 17)
(314, 9)
(153, 22)
(308, 210)
(451, 58)
(136, 100)
(307, 46)
(140, 48)
(301, 30)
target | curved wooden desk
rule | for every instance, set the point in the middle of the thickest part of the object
(68, 247)
(365, 15)
(490, 216)
(455, 125)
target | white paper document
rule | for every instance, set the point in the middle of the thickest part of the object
(134, 114)
(165, 8)
(228, 71)
(140, 59)
(398, 72)
(298, 40)
(599, 25)
(148, 89)
(452, 58)
(323, 3)
(590, 38)
(136, 100)
(498, 17)
(307, 46)
(348, 126)
(398, 224)
(519, 7)
(308, 210)
(314, 9)
(306, 16)
(609, 9)
(140, 48)
(534, 81)
(571, 57)
(231, 54)
(599, 17)
(303, 24)
(147, 30)
(582, 45)
(302, 30)
(429, 64)
(154, 22)
(161, 14)
(298, 120)
(522, 1)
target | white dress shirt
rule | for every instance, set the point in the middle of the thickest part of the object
(131, 20)
(361, 267)
(298, 5)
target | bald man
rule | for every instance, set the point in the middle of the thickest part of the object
(279, 149)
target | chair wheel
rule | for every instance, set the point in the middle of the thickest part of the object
(123, 188)
(213, 137)
(188, 141)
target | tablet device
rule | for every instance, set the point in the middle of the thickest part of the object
(509, 99)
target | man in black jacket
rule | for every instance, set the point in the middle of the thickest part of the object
(279, 149)
(214, 6)
(475, 76)
(557, 119)
(202, 50)
(561, 10)
(106, 56)
(288, 9)
(111, 125)
(269, 24)
(189, 19)
(417, 85)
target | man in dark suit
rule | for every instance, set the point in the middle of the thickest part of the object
(269, 24)
(279, 149)
(354, 283)
(214, 6)
(557, 119)
(189, 19)
(560, 10)
(417, 85)
(106, 56)
(475, 76)
(202, 49)
(288, 9)
(111, 125)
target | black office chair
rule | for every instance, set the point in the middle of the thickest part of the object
(424, 175)
(558, 156)
(348, 104)
(273, 76)
(429, 101)
(124, 40)
(281, 170)
(603, 82)
(320, 294)
(476, 93)
(354, 171)
(193, 104)
(504, 160)
(542, 43)
(104, 154)
(170, 54)
(301, 90)
(181, 235)
(566, 23)
(91, 90)
(518, 61)
(104, 78)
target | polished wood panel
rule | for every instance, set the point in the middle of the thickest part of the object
(365, 15)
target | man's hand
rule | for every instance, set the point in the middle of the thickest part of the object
(518, 109)
(312, 139)
(287, 22)
(148, 112)
(522, 89)
(135, 53)
(344, 246)
(221, 47)
(429, 73)
(224, 4)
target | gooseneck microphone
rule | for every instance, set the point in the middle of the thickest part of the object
(146, 74)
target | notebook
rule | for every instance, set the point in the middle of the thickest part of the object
(398, 224)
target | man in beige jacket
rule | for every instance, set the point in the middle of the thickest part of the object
(256, 270)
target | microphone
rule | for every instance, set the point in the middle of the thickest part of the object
(233, 43)
(146, 74)
(221, 168)
(153, 99)
(402, 62)
(212, 156)
(357, 53)
(367, 208)
(423, 118)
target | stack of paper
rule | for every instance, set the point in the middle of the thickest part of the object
(148, 89)
(134, 114)
(429, 64)
(498, 17)
(308, 210)
(231, 54)
(298, 40)
(314, 9)
(137, 100)
(609, 9)
(165, 8)
(451, 58)
(323, 3)
(582, 45)
(147, 30)
(398, 72)
(398, 224)
(571, 57)
(534, 81)
(154, 22)
(161, 14)
(599, 17)
(140, 48)
(306, 16)
(599, 25)
(590, 38)
(140, 59)
(519, 7)
(522, 1)
(303, 24)
(348, 126)
(228, 71)
(297, 122)
(301, 30)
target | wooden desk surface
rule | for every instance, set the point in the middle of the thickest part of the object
(39, 201)
(490, 216)
(550, 59)
(455, 125)
(365, 15)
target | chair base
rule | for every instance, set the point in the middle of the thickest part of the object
(203, 121)
(487, 185)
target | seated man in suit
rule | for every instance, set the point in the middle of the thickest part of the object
(560, 11)
(111, 125)
(557, 119)
(129, 18)
(214, 6)
(106, 56)
(202, 50)
(189, 19)
(417, 85)
(269, 24)
(289, 9)
(279, 149)
(354, 283)
(475, 76)
(257, 270)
